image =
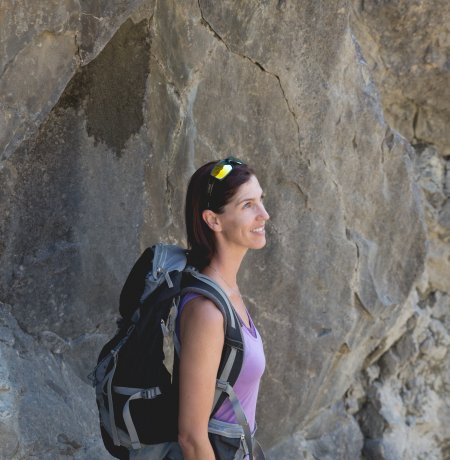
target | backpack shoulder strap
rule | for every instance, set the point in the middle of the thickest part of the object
(233, 352)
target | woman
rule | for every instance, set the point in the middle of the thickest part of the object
(225, 216)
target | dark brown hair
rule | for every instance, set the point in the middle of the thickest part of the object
(201, 239)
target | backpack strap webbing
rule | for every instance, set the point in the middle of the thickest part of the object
(233, 353)
(106, 381)
(134, 393)
(240, 416)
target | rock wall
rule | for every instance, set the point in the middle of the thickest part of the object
(401, 398)
(110, 107)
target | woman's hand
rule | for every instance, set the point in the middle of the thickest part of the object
(202, 338)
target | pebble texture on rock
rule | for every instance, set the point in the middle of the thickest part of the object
(109, 107)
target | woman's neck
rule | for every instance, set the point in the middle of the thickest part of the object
(226, 267)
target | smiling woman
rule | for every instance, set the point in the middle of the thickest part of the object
(249, 216)
(232, 200)
(225, 217)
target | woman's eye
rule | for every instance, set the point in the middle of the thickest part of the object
(247, 205)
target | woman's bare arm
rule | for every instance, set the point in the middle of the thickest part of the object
(202, 338)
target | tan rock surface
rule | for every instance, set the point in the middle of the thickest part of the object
(109, 108)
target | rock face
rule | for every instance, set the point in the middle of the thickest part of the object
(401, 398)
(406, 45)
(37, 384)
(42, 46)
(110, 107)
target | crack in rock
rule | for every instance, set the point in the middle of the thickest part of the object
(185, 111)
(78, 56)
(92, 16)
(257, 64)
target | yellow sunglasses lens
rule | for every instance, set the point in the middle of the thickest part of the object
(221, 171)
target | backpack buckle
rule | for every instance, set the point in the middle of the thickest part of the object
(222, 385)
(150, 393)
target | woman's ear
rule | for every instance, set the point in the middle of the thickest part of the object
(211, 219)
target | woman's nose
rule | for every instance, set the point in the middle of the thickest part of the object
(264, 213)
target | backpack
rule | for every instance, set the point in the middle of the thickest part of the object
(136, 377)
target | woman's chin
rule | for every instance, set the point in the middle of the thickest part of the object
(260, 243)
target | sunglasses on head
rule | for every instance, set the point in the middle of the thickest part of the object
(220, 171)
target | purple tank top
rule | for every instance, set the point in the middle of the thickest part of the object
(247, 383)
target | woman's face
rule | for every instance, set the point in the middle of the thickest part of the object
(244, 217)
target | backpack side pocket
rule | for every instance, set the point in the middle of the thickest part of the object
(226, 448)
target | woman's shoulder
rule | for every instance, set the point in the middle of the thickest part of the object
(200, 308)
